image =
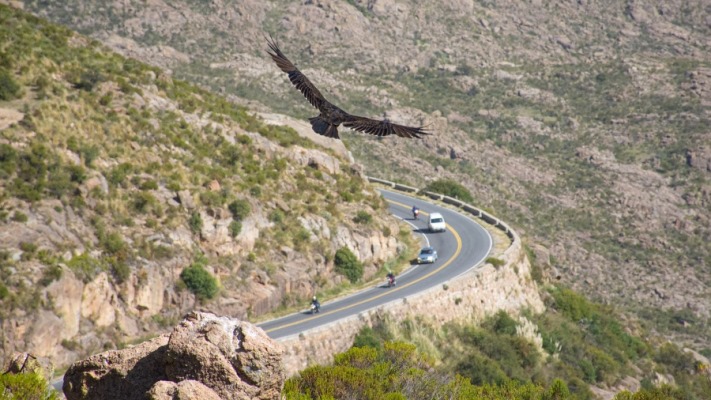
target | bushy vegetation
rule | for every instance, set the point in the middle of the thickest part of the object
(9, 88)
(347, 264)
(450, 188)
(397, 371)
(579, 344)
(199, 281)
(25, 386)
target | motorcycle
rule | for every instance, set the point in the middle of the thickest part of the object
(391, 281)
(315, 308)
(415, 213)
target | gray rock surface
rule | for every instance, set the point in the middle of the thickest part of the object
(206, 357)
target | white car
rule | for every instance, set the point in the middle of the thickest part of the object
(436, 223)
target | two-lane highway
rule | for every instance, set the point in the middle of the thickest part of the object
(464, 245)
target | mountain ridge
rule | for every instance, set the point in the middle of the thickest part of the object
(118, 178)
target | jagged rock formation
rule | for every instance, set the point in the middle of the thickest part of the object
(206, 357)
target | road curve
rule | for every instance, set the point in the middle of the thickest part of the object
(462, 247)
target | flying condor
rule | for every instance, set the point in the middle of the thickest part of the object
(330, 116)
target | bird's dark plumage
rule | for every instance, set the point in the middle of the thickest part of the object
(331, 117)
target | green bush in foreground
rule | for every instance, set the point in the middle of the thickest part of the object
(28, 386)
(397, 371)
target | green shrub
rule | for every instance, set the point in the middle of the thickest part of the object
(367, 338)
(195, 222)
(450, 188)
(557, 391)
(9, 88)
(149, 184)
(113, 244)
(277, 216)
(19, 216)
(118, 174)
(28, 247)
(199, 281)
(87, 80)
(664, 392)
(572, 305)
(51, 274)
(496, 262)
(26, 386)
(235, 228)
(211, 199)
(143, 202)
(674, 359)
(4, 292)
(363, 217)
(86, 267)
(240, 209)
(8, 160)
(120, 270)
(347, 264)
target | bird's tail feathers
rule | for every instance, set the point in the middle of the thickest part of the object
(322, 127)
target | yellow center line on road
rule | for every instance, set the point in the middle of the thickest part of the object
(444, 265)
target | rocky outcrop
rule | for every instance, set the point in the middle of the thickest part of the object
(206, 357)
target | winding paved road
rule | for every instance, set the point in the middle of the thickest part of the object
(462, 247)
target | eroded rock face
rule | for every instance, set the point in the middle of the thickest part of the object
(206, 357)
(118, 374)
(234, 358)
(185, 390)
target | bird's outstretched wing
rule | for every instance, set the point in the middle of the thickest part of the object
(295, 76)
(383, 128)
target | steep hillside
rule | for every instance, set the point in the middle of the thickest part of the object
(585, 124)
(128, 197)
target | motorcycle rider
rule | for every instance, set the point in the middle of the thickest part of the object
(315, 305)
(391, 279)
(415, 212)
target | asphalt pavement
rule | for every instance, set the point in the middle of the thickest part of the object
(463, 246)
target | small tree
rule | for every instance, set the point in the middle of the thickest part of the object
(199, 281)
(240, 209)
(347, 264)
(195, 222)
(9, 88)
(363, 217)
(235, 228)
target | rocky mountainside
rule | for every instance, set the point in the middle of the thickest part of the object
(128, 198)
(584, 124)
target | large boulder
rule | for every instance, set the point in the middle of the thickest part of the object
(234, 358)
(185, 390)
(206, 356)
(118, 374)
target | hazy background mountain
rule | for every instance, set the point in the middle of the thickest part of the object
(584, 124)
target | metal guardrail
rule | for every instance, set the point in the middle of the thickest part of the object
(477, 212)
